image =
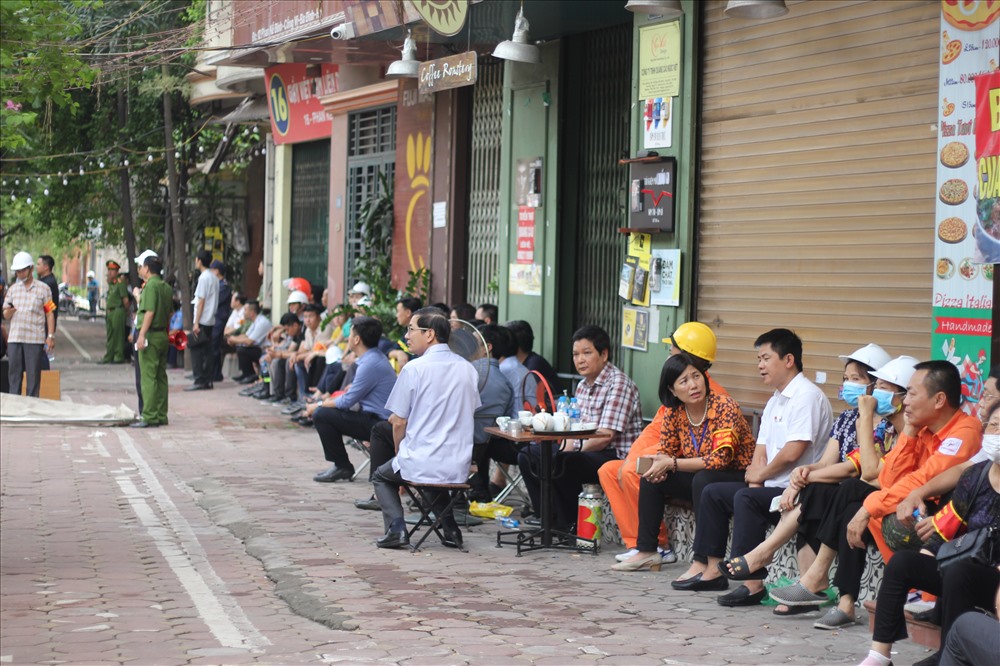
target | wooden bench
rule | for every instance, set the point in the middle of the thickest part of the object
(921, 633)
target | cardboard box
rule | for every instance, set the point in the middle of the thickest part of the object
(49, 389)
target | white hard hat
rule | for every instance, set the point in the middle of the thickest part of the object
(361, 288)
(21, 260)
(144, 256)
(90, 273)
(298, 297)
(871, 355)
(898, 371)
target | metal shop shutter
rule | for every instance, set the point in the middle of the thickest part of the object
(817, 183)
(310, 210)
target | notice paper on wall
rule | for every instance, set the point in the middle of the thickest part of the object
(440, 214)
(665, 283)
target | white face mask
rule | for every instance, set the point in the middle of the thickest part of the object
(991, 447)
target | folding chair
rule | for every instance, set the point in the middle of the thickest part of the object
(360, 446)
(515, 484)
(422, 499)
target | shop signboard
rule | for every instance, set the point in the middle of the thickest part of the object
(413, 209)
(963, 272)
(293, 92)
(445, 17)
(659, 61)
(450, 72)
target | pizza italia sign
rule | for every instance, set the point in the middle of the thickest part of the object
(967, 237)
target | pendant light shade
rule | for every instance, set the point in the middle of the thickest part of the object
(755, 9)
(668, 9)
(408, 67)
(518, 49)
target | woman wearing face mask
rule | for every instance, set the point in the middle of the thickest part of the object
(964, 586)
(812, 487)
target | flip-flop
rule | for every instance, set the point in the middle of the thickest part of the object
(834, 619)
(796, 595)
(794, 610)
(736, 568)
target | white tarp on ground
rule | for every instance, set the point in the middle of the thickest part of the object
(22, 409)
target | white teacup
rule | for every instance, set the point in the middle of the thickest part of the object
(560, 421)
(503, 422)
(524, 416)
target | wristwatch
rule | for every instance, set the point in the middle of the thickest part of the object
(52, 335)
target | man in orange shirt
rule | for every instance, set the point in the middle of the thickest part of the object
(619, 478)
(938, 435)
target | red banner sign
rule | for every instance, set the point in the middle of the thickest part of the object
(964, 326)
(293, 93)
(525, 235)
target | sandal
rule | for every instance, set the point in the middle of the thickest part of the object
(793, 610)
(736, 568)
(834, 619)
(796, 595)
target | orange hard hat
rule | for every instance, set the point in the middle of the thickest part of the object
(298, 284)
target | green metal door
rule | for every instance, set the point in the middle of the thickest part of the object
(484, 182)
(371, 151)
(594, 186)
(310, 210)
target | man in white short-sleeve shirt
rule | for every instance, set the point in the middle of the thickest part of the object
(206, 302)
(432, 409)
(794, 430)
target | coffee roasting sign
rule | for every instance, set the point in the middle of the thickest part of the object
(445, 73)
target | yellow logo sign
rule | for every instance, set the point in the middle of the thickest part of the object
(418, 166)
(443, 16)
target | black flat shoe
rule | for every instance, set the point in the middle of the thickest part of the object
(199, 387)
(334, 474)
(452, 539)
(742, 596)
(697, 584)
(393, 540)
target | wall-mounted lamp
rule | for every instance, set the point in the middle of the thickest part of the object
(408, 67)
(668, 9)
(755, 9)
(517, 48)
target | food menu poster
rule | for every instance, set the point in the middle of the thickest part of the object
(963, 269)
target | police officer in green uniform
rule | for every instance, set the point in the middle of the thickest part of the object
(114, 322)
(155, 308)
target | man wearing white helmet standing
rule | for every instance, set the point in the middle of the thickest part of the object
(29, 308)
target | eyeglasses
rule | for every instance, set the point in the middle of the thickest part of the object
(986, 396)
(412, 328)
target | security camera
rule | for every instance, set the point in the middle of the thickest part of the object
(342, 31)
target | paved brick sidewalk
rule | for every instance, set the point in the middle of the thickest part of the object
(208, 542)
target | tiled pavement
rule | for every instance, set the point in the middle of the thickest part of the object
(207, 542)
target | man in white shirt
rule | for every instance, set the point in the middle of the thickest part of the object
(794, 430)
(206, 302)
(249, 344)
(431, 410)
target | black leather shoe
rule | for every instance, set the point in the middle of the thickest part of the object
(370, 504)
(533, 521)
(452, 538)
(696, 584)
(742, 596)
(199, 387)
(249, 379)
(393, 540)
(334, 474)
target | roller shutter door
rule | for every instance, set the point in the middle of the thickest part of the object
(817, 183)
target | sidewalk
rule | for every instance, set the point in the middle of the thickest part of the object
(208, 542)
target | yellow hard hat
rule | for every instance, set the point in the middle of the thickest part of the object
(696, 339)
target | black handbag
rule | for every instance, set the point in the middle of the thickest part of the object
(977, 545)
(199, 340)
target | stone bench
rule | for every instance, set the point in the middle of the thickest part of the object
(680, 526)
(921, 633)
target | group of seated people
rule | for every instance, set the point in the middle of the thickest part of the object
(904, 468)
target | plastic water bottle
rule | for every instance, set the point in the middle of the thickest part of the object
(574, 411)
(509, 523)
(562, 404)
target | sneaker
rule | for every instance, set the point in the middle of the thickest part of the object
(621, 557)
(667, 555)
(293, 408)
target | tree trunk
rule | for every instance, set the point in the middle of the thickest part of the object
(126, 200)
(179, 249)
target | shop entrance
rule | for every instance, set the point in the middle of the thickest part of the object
(310, 210)
(596, 80)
